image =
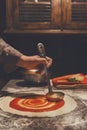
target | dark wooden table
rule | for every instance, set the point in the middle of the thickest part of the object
(74, 120)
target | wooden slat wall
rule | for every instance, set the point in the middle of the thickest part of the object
(35, 12)
(79, 11)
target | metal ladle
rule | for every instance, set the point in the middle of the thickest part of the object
(51, 96)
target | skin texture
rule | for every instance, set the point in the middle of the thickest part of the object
(30, 62)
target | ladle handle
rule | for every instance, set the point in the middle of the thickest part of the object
(41, 50)
(42, 53)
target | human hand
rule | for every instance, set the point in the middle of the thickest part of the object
(30, 62)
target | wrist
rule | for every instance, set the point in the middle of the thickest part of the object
(20, 61)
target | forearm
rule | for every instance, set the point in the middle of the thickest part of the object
(8, 56)
(8, 50)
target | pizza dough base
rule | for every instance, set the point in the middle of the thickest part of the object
(69, 106)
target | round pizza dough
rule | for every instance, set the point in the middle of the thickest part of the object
(68, 106)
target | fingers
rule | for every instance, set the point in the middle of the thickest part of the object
(29, 62)
(49, 61)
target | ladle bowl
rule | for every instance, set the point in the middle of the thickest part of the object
(55, 96)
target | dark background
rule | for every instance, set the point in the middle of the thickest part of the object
(69, 51)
